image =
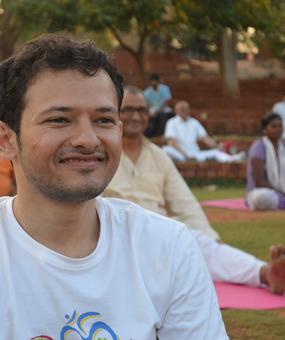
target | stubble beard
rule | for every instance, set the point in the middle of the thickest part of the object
(55, 189)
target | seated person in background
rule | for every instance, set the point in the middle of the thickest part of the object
(183, 134)
(158, 96)
(6, 178)
(147, 176)
(266, 167)
(279, 108)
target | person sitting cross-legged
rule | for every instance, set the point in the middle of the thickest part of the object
(183, 134)
(148, 177)
(266, 167)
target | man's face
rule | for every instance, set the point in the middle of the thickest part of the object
(154, 83)
(182, 109)
(134, 114)
(70, 137)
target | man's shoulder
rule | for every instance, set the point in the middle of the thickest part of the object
(194, 122)
(135, 219)
(148, 90)
(173, 120)
(164, 88)
(155, 149)
(279, 105)
(4, 200)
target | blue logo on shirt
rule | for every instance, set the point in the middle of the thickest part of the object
(87, 326)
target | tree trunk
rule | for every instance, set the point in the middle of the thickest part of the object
(228, 63)
(139, 58)
(6, 47)
(9, 33)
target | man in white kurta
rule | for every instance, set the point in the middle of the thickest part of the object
(183, 133)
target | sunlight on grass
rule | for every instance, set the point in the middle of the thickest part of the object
(254, 233)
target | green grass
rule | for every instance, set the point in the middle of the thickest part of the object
(254, 234)
(207, 192)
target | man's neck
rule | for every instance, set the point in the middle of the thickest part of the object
(132, 147)
(69, 229)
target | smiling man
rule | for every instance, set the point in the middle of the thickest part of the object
(148, 177)
(73, 264)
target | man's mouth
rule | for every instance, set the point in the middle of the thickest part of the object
(83, 161)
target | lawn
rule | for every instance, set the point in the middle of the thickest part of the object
(253, 232)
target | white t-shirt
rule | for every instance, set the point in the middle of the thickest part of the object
(186, 132)
(146, 278)
(279, 108)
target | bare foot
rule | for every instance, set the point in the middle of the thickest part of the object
(276, 269)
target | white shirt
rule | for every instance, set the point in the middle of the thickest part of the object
(146, 278)
(186, 133)
(279, 108)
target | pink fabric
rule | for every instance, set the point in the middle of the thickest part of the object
(233, 296)
(230, 203)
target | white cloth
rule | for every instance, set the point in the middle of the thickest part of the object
(203, 155)
(279, 108)
(145, 279)
(227, 263)
(262, 199)
(186, 133)
(275, 166)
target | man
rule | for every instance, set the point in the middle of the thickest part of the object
(158, 96)
(279, 108)
(73, 264)
(183, 134)
(148, 177)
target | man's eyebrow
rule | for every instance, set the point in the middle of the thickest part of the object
(101, 109)
(104, 109)
(56, 108)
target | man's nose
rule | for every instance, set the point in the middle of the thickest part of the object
(85, 135)
(135, 115)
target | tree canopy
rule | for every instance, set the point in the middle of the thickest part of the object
(188, 21)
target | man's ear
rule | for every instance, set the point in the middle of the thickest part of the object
(7, 142)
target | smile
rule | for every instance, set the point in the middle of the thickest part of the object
(83, 162)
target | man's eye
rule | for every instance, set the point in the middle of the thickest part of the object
(58, 120)
(105, 121)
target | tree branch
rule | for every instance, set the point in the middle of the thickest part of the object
(122, 43)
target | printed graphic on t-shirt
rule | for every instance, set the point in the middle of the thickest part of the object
(86, 326)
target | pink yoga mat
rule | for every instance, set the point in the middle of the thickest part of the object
(231, 203)
(232, 296)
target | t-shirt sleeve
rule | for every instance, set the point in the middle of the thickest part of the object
(170, 131)
(166, 92)
(257, 150)
(201, 131)
(193, 312)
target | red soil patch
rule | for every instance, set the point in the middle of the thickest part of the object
(226, 215)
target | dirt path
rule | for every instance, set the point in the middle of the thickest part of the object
(225, 215)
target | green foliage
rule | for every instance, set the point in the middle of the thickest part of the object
(206, 18)
(125, 15)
